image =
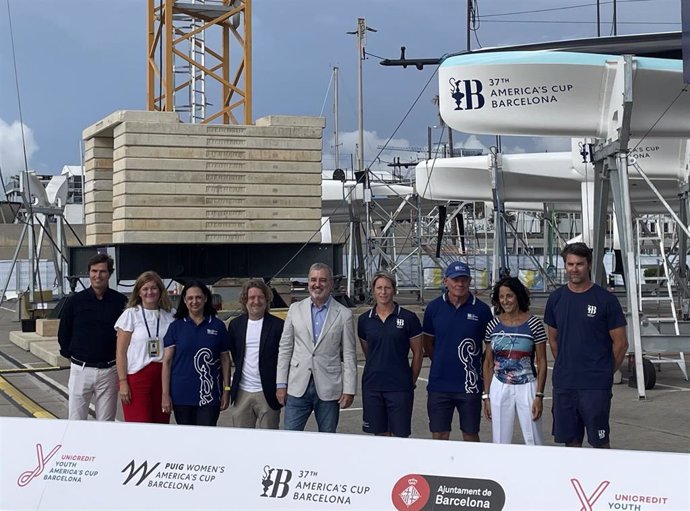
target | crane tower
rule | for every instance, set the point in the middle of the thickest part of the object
(189, 65)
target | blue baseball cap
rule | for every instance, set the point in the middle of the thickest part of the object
(457, 269)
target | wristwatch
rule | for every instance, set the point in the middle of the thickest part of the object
(485, 396)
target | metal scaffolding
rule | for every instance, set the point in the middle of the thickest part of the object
(189, 60)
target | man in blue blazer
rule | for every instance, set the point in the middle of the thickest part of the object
(254, 341)
(317, 360)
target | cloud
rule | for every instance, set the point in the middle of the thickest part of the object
(11, 149)
(473, 142)
(552, 144)
(374, 157)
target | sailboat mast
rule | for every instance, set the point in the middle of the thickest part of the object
(335, 117)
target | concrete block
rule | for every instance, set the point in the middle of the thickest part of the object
(98, 185)
(166, 176)
(291, 120)
(98, 196)
(99, 239)
(98, 163)
(98, 207)
(105, 126)
(216, 154)
(180, 165)
(98, 152)
(98, 175)
(216, 225)
(224, 130)
(145, 139)
(25, 339)
(201, 213)
(98, 218)
(47, 327)
(214, 189)
(105, 228)
(49, 351)
(216, 237)
(98, 142)
(200, 201)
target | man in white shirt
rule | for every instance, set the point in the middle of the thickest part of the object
(254, 341)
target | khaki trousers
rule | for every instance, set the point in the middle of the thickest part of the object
(252, 411)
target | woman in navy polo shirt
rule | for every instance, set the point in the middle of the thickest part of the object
(196, 360)
(387, 334)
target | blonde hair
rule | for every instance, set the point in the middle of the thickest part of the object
(384, 275)
(145, 278)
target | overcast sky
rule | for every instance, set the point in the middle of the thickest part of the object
(79, 60)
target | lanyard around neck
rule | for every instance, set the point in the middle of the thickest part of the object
(158, 322)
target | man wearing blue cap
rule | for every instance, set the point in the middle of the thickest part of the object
(453, 332)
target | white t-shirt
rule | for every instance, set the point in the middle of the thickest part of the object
(132, 320)
(251, 379)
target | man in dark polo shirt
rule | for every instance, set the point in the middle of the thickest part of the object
(454, 328)
(387, 334)
(87, 337)
(587, 334)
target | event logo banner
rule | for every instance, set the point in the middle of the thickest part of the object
(415, 492)
(306, 485)
(147, 466)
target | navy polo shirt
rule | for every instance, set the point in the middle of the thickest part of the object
(196, 377)
(585, 347)
(458, 339)
(388, 348)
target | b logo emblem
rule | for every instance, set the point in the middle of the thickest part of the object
(467, 94)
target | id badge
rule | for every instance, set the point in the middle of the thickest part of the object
(154, 348)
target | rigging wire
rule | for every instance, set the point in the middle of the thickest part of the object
(475, 18)
(555, 22)
(27, 202)
(564, 8)
(346, 196)
(684, 89)
(325, 98)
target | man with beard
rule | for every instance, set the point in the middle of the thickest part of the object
(254, 340)
(586, 331)
(317, 359)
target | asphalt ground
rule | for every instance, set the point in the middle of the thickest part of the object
(659, 423)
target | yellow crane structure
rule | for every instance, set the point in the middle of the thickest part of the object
(189, 65)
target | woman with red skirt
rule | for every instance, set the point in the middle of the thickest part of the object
(140, 331)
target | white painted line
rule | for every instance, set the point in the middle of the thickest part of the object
(682, 389)
(352, 410)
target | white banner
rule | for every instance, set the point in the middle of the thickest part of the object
(50, 464)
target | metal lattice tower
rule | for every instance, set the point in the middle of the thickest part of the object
(189, 69)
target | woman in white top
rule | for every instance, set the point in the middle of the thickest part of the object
(140, 331)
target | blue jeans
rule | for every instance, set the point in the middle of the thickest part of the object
(298, 409)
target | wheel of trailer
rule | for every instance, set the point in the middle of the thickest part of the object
(649, 372)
